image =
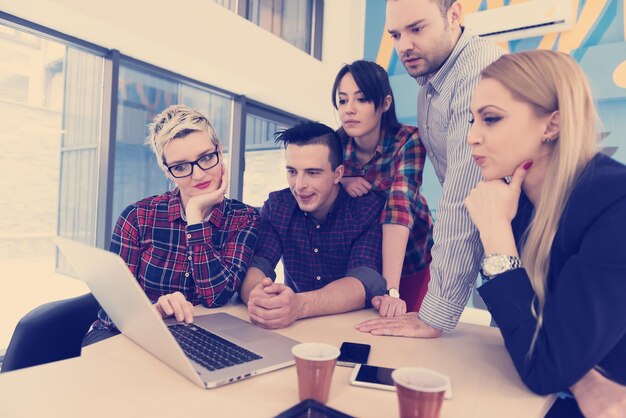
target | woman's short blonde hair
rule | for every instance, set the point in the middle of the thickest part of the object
(177, 121)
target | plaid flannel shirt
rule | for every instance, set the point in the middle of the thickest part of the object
(206, 262)
(348, 243)
(396, 169)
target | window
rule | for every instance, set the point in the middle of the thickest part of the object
(265, 160)
(264, 168)
(51, 102)
(298, 22)
(290, 20)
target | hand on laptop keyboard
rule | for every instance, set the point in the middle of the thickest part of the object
(175, 304)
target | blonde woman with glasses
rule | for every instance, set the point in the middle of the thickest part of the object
(551, 212)
(191, 245)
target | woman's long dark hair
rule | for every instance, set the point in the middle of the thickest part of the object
(373, 81)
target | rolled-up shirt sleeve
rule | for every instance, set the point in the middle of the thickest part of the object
(265, 266)
(373, 282)
(268, 249)
(365, 263)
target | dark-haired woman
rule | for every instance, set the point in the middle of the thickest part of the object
(382, 155)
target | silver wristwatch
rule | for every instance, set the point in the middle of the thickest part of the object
(495, 264)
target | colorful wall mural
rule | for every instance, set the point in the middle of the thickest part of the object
(597, 41)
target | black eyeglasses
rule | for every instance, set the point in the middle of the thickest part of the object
(205, 162)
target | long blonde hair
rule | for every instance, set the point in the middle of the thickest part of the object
(550, 81)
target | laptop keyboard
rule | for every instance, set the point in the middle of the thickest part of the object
(208, 349)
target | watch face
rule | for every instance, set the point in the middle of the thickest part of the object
(495, 264)
(393, 293)
(499, 263)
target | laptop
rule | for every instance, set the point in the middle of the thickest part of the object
(215, 350)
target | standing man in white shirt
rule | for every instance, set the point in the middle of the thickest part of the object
(446, 61)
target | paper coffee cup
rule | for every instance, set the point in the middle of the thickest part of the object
(315, 364)
(420, 391)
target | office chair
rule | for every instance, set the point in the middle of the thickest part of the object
(50, 332)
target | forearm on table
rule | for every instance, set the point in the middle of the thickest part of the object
(395, 238)
(343, 295)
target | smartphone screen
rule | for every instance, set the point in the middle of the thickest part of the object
(353, 353)
(375, 375)
(380, 378)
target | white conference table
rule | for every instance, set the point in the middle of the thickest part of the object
(117, 378)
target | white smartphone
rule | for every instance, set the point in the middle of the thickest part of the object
(380, 378)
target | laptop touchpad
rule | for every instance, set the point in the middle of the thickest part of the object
(246, 333)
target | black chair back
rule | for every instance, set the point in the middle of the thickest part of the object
(53, 331)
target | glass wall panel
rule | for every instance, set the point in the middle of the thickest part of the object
(296, 23)
(32, 123)
(289, 19)
(50, 101)
(219, 108)
(265, 160)
(141, 96)
(80, 145)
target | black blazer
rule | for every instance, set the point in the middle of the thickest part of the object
(584, 317)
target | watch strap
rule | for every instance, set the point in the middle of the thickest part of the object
(494, 264)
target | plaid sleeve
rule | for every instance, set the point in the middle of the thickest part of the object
(350, 168)
(366, 250)
(269, 246)
(218, 272)
(125, 242)
(125, 238)
(407, 179)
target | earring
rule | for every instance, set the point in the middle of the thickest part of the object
(548, 140)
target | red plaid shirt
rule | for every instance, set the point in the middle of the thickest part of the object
(396, 169)
(206, 262)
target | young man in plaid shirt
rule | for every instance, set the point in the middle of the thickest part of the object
(330, 243)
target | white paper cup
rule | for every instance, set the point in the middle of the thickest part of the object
(420, 391)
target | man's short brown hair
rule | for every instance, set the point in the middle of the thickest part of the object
(444, 5)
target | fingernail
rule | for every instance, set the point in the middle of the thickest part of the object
(528, 164)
